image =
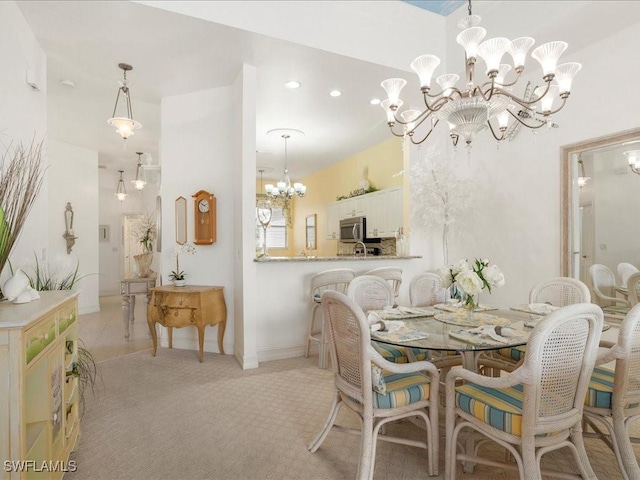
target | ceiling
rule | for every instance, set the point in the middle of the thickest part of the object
(441, 7)
(173, 54)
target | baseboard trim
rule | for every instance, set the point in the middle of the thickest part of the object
(284, 352)
(89, 309)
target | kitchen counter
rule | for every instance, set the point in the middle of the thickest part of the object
(340, 258)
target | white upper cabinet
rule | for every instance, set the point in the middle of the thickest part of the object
(334, 211)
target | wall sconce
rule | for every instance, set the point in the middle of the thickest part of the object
(68, 223)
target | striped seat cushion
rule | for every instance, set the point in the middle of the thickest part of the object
(392, 353)
(600, 388)
(402, 389)
(499, 407)
(513, 353)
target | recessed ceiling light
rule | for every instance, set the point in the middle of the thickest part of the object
(374, 101)
(335, 93)
(293, 84)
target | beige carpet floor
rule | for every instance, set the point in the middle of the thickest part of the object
(171, 417)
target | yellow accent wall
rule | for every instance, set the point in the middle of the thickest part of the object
(384, 162)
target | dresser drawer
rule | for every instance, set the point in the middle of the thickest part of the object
(66, 317)
(177, 317)
(39, 337)
(176, 300)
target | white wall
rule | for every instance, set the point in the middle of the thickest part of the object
(197, 154)
(23, 117)
(73, 177)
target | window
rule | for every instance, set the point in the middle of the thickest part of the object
(276, 233)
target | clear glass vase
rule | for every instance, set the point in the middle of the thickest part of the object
(469, 302)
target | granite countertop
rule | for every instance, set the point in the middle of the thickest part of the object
(340, 258)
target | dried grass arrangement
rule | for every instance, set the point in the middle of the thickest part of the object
(21, 175)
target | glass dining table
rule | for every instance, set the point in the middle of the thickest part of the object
(445, 328)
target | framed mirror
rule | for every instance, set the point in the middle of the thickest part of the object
(310, 229)
(181, 220)
(598, 188)
(159, 223)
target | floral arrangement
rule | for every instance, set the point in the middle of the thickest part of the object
(471, 279)
(187, 248)
(145, 231)
(357, 192)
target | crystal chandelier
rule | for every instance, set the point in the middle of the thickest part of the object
(283, 188)
(121, 192)
(140, 181)
(124, 125)
(471, 108)
(633, 156)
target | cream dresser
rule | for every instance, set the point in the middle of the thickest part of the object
(39, 402)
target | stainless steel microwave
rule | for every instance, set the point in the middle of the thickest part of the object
(355, 230)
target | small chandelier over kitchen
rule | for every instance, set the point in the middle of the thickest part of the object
(475, 106)
(633, 157)
(283, 188)
(140, 181)
(124, 125)
(121, 192)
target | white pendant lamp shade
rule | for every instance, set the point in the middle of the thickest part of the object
(565, 74)
(470, 39)
(393, 87)
(518, 50)
(139, 182)
(548, 55)
(503, 71)
(492, 51)
(284, 188)
(121, 191)
(122, 120)
(385, 105)
(447, 82)
(424, 66)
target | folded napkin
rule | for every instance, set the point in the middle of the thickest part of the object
(542, 308)
(499, 334)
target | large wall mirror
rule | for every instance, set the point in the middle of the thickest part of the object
(600, 204)
(181, 220)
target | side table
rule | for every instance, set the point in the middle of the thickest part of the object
(197, 305)
(129, 288)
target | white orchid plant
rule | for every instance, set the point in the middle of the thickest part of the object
(186, 248)
(145, 231)
(471, 279)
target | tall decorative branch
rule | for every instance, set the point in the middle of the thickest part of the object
(439, 198)
(22, 173)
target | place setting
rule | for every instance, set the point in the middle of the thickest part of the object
(393, 330)
(489, 335)
(400, 312)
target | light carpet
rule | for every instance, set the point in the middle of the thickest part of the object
(171, 417)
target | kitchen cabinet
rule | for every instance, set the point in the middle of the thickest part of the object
(334, 213)
(383, 210)
(39, 414)
(384, 213)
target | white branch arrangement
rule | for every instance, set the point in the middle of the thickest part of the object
(439, 199)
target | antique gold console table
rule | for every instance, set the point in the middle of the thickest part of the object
(196, 305)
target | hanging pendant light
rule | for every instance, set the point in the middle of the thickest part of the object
(582, 178)
(124, 125)
(283, 188)
(140, 180)
(121, 192)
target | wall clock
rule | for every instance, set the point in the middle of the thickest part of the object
(204, 218)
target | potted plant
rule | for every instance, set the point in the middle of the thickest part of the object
(145, 231)
(178, 276)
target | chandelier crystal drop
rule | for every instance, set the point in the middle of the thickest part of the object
(283, 188)
(121, 192)
(582, 178)
(486, 101)
(124, 125)
(140, 181)
(633, 156)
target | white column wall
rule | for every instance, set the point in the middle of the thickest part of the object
(73, 177)
(23, 118)
(197, 154)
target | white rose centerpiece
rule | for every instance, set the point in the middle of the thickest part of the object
(471, 279)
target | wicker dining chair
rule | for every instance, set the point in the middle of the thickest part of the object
(633, 287)
(625, 270)
(536, 408)
(558, 292)
(613, 398)
(393, 275)
(409, 390)
(425, 290)
(335, 279)
(603, 282)
(374, 293)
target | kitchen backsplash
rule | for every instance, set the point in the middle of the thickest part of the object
(387, 246)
